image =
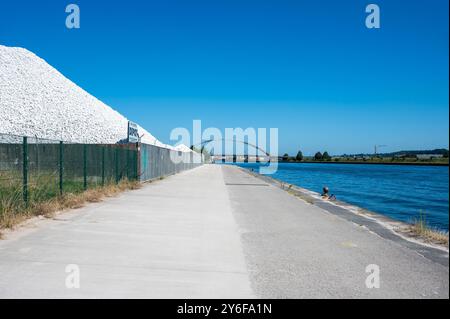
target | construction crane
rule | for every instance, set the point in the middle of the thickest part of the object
(377, 147)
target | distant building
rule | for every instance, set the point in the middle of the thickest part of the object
(429, 156)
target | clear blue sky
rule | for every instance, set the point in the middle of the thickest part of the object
(310, 68)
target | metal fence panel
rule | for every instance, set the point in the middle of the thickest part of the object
(156, 162)
(33, 170)
(11, 170)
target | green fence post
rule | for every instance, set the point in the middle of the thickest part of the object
(85, 166)
(128, 163)
(103, 166)
(116, 160)
(25, 170)
(137, 161)
(61, 166)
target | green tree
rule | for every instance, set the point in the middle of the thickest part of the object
(285, 157)
(326, 156)
(299, 156)
(318, 156)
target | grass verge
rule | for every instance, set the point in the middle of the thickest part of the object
(302, 196)
(421, 229)
(12, 214)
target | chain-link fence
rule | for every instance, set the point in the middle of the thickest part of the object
(34, 169)
(156, 161)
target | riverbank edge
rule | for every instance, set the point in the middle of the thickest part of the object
(381, 225)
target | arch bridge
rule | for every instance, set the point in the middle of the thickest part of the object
(247, 158)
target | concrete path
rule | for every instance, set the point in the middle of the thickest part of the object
(175, 238)
(213, 232)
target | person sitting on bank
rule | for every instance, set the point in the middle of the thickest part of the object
(326, 195)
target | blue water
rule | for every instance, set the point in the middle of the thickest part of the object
(400, 192)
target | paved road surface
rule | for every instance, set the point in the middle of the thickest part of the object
(213, 232)
(175, 238)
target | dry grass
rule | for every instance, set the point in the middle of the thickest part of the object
(421, 229)
(11, 215)
(306, 198)
(300, 195)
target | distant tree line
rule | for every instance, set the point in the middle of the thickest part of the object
(395, 157)
(299, 157)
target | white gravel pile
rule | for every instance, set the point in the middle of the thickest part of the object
(182, 148)
(37, 100)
